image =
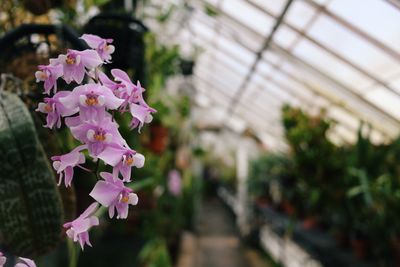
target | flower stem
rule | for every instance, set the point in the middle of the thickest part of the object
(96, 171)
(73, 253)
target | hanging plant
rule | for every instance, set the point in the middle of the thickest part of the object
(88, 111)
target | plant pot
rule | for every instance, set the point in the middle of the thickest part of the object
(159, 138)
(288, 208)
(310, 223)
(187, 67)
(341, 238)
(359, 246)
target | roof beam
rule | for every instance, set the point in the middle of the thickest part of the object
(343, 88)
(306, 86)
(355, 30)
(330, 51)
(255, 108)
(259, 87)
(292, 92)
(337, 84)
(243, 87)
(275, 135)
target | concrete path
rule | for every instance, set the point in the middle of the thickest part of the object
(217, 242)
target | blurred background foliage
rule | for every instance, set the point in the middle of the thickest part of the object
(352, 191)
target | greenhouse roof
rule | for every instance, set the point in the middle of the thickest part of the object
(338, 55)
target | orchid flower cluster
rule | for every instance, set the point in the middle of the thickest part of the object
(22, 262)
(88, 111)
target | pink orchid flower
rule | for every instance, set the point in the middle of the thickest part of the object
(97, 135)
(133, 95)
(174, 182)
(49, 75)
(25, 262)
(140, 115)
(113, 86)
(3, 259)
(113, 194)
(54, 109)
(92, 100)
(122, 159)
(126, 85)
(64, 164)
(78, 229)
(86, 112)
(75, 63)
(102, 46)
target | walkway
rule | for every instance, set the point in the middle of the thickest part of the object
(218, 244)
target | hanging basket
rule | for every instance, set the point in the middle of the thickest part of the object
(128, 35)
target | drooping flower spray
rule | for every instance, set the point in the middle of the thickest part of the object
(86, 112)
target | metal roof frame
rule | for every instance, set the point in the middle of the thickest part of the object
(366, 102)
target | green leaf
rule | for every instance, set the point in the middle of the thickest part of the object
(31, 212)
(354, 191)
(211, 10)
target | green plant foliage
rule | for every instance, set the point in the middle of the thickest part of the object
(354, 189)
(30, 207)
(319, 164)
(155, 254)
(211, 10)
(269, 169)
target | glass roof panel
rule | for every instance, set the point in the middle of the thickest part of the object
(299, 89)
(240, 32)
(241, 11)
(348, 136)
(300, 14)
(274, 6)
(245, 55)
(343, 98)
(251, 117)
(200, 28)
(263, 68)
(395, 82)
(343, 116)
(325, 62)
(353, 47)
(224, 83)
(260, 124)
(322, 70)
(386, 100)
(285, 37)
(272, 89)
(219, 100)
(262, 102)
(219, 57)
(272, 57)
(369, 17)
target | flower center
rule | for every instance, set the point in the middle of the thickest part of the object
(48, 108)
(43, 75)
(125, 199)
(91, 101)
(129, 161)
(100, 137)
(70, 60)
